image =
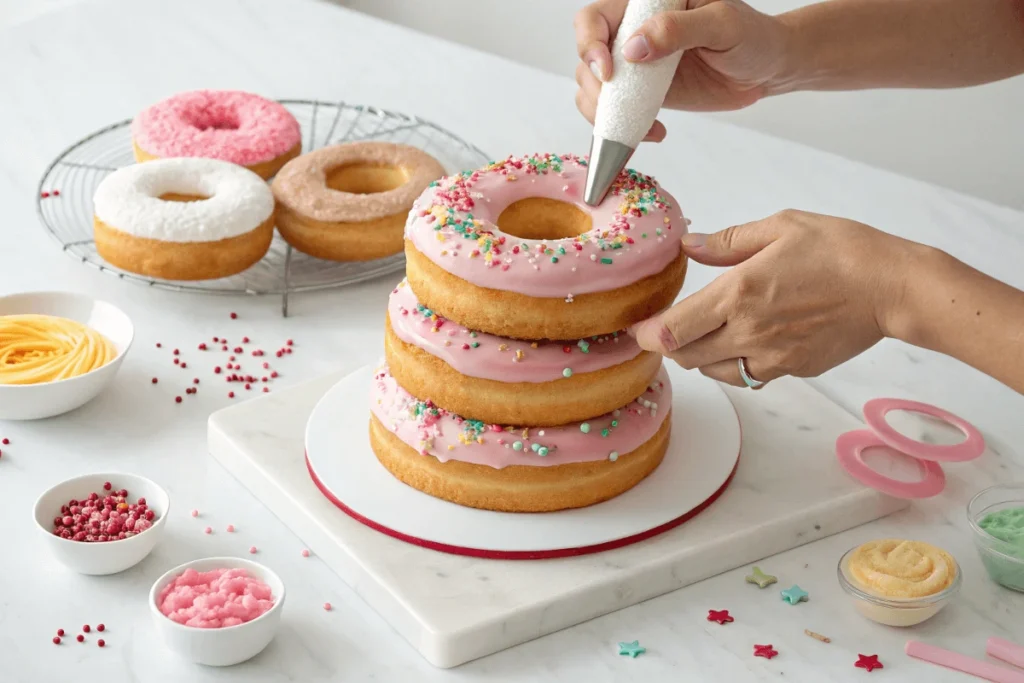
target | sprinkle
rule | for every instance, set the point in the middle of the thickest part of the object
(475, 345)
(60, 632)
(252, 550)
(327, 606)
(87, 628)
(613, 456)
(80, 638)
(542, 451)
(101, 628)
(208, 530)
(794, 595)
(234, 316)
(721, 616)
(195, 513)
(868, 662)
(535, 447)
(101, 643)
(615, 423)
(605, 432)
(817, 636)
(633, 649)
(231, 528)
(606, 261)
(517, 446)
(567, 373)
(503, 347)
(760, 578)
(305, 553)
(766, 651)
(585, 427)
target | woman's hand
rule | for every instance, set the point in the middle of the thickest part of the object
(806, 293)
(733, 54)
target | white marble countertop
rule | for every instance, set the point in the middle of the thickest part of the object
(78, 69)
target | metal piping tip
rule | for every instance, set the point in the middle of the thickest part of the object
(607, 159)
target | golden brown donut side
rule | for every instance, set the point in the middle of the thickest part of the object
(518, 488)
(363, 241)
(510, 314)
(524, 404)
(265, 169)
(182, 260)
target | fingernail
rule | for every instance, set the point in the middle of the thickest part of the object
(595, 68)
(694, 240)
(636, 48)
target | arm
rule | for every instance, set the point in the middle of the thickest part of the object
(949, 307)
(859, 44)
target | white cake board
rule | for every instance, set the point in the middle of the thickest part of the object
(701, 456)
(788, 490)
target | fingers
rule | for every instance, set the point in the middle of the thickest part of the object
(736, 244)
(594, 32)
(715, 26)
(728, 371)
(712, 348)
(690, 319)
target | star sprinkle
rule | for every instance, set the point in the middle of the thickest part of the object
(868, 662)
(766, 651)
(794, 595)
(721, 616)
(633, 649)
(761, 579)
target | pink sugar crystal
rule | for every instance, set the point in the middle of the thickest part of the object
(215, 599)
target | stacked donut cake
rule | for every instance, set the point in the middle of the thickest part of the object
(510, 383)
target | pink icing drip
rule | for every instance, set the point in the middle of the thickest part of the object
(229, 125)
(432, 431)
(647, 232)
(499, 358)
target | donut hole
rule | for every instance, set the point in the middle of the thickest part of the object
(360, 178)
(206, 119)
(540, 218)
(176, 197)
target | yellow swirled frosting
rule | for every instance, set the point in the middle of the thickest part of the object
(35, 349)
(894, 568)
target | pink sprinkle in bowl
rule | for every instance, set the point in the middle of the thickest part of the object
(225, 646)
(109, 557)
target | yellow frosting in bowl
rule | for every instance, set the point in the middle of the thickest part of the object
(894, 568)
(35, 349)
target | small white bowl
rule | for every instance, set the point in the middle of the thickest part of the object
(110, 557)
(220, 646)
(35, 401)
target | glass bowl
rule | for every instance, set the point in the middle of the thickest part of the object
(1003, 561)
(895, 611)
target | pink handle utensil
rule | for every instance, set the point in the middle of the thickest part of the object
(959, 662)
(1011, 653)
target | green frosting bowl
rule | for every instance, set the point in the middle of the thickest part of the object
(996, 516)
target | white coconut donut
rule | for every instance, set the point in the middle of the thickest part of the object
(183, 219)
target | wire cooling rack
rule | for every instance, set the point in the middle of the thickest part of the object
(78, 170)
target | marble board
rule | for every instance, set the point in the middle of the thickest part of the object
(788, 491)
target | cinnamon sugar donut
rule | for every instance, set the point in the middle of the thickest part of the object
(349, 202)
(512, 249)
(229, 125)
(513, 469)
(183, 219)
(508, 381)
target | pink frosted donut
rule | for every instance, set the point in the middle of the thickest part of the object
(512, 249)
(229, 125)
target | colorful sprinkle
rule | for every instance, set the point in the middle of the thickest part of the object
(613, 456)
(721, 616)
(633, 649)
(794, 595)
(567, 373)
(868, 662)
(585, 427)
(766, 651)
(760, 578)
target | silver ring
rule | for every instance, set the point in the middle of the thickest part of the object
(745, 375)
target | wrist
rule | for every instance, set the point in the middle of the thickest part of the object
(795, 64)
(905, 310)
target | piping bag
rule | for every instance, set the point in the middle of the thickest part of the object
(629, 102)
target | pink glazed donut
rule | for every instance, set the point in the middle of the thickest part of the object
(512, 250)
(228, 125)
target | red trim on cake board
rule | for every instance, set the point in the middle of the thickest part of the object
(524, 554)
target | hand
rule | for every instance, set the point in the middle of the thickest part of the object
(807, 293)
(732, 54)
